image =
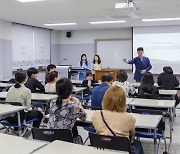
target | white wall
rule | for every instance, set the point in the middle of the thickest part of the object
(82, 41)
(5, 49)
(88, 36)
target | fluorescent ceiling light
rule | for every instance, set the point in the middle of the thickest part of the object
(160, 19)
(29, 0)
(106, 22)
(124, 5)
(61, 24)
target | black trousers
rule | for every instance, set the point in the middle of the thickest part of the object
(27, 116)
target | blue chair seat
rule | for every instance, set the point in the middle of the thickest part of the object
(148, 135)
(9, 124)
(87, 98)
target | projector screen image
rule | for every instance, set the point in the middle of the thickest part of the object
(161, 46)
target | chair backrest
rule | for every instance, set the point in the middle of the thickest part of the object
(110, 142)
(148, 96)
(161, 126)
(52, 134)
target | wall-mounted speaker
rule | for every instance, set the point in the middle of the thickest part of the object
(68, 34)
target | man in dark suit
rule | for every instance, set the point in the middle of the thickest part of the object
(142, 64)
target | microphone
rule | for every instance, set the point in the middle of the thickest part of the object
(62, 61)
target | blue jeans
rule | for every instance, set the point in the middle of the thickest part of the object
(136, 147)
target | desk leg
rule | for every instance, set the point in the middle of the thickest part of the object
(155, 142)
(19, 124)
(171, 124)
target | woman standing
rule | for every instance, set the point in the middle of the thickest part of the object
(96, 64)
(83, 63)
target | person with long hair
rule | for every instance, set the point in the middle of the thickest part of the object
(19, 93)
(147, 88)
(83, 63)
(119, 121)
(65, 109)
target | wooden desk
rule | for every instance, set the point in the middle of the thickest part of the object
(10, 144)
(100, 73)
(71, 148)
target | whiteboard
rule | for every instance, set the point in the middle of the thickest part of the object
(112, 52)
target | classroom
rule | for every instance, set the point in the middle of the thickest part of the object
(89, 76)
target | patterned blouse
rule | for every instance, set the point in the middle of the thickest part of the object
(65, 117)
(127, 86)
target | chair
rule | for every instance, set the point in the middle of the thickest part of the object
(24, 123)
(110, 142)
(52, 134)
(148, 133)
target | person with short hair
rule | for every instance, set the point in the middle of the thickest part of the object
(119, 121)
(19, 93)
(51, 86)
(50, 68)
(122, 82)
(142, 64)
(65, 109)
(167, 80)
(32, 83)
(89, 83)
(99, 91)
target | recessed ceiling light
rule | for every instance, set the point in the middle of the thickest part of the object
(124, 5)
(160, 19)
(61, 24)
(23, 1)
(107, 22)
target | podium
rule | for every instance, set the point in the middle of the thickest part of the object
(100, 73)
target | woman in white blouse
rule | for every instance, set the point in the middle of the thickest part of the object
(51, 86)
(96, 64)
(122, 82)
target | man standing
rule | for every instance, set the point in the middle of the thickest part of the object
(141, 62)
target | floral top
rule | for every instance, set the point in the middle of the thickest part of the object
(127, 86)
(65, 117)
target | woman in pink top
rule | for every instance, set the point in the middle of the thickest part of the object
(115, 115)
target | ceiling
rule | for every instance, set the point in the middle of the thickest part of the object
(83, 11)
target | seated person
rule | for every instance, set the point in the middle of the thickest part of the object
(32, 83)
(167, 80)
(52, 78)
(89, 83)
(114, 112)
(65, 109)
(147, 88)
(99, 91)
(19, 93)
(122, 82)
(50, 68)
